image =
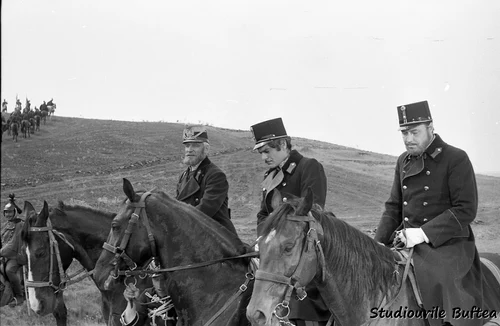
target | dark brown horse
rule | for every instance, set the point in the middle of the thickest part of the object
(14, 127)
(32, 125)
(207, 276)
(360, 280)
(25, 128)
(37, 119)
(77, 232)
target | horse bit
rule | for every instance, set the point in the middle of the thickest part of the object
(282, 309)
(54, 249)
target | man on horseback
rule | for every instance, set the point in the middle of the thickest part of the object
(203, 184)
(290, 173)
(432, 203)
(11, 249)
(4, 105)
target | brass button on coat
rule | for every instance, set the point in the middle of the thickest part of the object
(405, 187)
(406, 219)
(428, 172)
(424, 203)
(426, 188)
(405, 203)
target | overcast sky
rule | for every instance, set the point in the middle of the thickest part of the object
(333, 70)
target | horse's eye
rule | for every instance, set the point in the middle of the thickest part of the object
(288, 248)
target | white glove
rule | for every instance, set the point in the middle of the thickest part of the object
(413, 236)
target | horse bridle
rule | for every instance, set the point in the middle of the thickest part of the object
(54, 251)
(153, 265)
(119, 251)
(282, 309)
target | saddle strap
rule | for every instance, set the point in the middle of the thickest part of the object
(248, 277)
(492, 267)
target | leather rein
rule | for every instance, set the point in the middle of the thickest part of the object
(66, 279)
(153, 265)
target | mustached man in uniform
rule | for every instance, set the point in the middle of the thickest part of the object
(432, 203)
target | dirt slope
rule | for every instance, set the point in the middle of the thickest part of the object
(84, 161)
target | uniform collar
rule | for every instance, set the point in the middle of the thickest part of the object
(433, 149)
(292, 162)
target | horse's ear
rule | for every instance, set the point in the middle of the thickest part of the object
(29, 210)
(45, 209)
(306, 203)
(276, 200)
(41, 219)
(128, 189)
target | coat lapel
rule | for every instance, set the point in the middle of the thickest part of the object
(193, 184)
(190, 188)
(271, 182)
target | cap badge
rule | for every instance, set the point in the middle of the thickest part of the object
(403, 111)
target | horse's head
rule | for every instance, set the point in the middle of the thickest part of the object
(45, 265)
(128, 245)
(290, 257)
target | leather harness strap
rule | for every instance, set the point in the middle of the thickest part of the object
(66, 279)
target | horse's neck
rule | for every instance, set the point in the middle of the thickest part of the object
(86, 252)
(199, 293)
(368, 311)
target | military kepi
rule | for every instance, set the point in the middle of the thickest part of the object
(412, 114)
(195, 134)
(266, 131)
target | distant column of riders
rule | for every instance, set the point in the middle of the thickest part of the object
(25, 121)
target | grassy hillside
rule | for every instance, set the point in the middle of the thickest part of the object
(83, 161)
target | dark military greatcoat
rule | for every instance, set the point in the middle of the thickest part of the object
(297, 174)
(207, 189)
(437, 192)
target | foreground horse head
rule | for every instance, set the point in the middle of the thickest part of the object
(53, 238)
(200, 256)
(303, 244)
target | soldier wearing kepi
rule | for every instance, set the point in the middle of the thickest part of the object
(203, 184)
(433, 200)
(290, 173)
(11, 249)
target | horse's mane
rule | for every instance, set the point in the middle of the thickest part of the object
(360, 262)
(210, 227)
(63, 208)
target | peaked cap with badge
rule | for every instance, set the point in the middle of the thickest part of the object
(266, 131)
(195, 134)
(436, 192)
(413, 114)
